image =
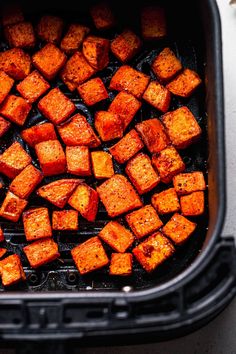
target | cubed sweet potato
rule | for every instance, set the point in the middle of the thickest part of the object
(16, 63)
(39, 133)
(96, 51)
(182, 127)
(16, 109)
(65, 220)
(74, 37)
(51, 157)
(12, 207)
(37, 224)
(11, 270)
(3, 251)
(93, 91)
(185, 83)
(78, 160)
(126, 45)
(49, 28)
(121, 264)
(12, 14)
(153, 22)
(41, 252)
(157, 96)
(4, 126)
(166, 65)
(20, 35)
(1, 234)
(118, 196)
(179, 229)
(166, 201)
(168, 163)
(89, 255)
(85, 200)
(102, 164)
(102, 15)
(108, 125)
(192, 204)
(186, 183)
(153, 251)
(6, 83)
(116, 236)
(33, 86)
(14, 160)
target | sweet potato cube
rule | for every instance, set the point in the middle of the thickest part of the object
(4, 126)
(78, 160)
(96, 51)
(102, 164)
(1, 235)
(14, 160)
(89, 255)
(69, 132)
(130, 80)
(116, 236)
(192, 204)
(3, 251)
(58, 192)
(6, 83)
(20, 35)
(85, 200)
(126, 106)
(74, 37)
(12, 14)
(144, 221)
(36, 224)
(186, 183)
(49, 28)
(127, 147)
(153, 134)
(168, 163)
(157, 96)
(166, 201)
(153, 22)
(49, 60)
(39, 133)
(51, 157)
(26, 181)
(41, 252)
(153, 251)
(185, 83)
(12, 207)
(11, 270)
(93, 91)
(121, 264)
(141, 173)
(118, 196)
(126, 45)
(65, 220)
(182, 127)
(56, 106)
(179, 229)
(102, 15)
(108, 125)
(33, 86)
(16, 109)
(16, 63)
(166, 65)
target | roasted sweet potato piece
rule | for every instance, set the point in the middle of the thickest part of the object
(153, 22)
(157, 96)
(108, 125)
(179, 229)
(185, 83)
(6, 83)
(85, 200)
(1, 235)
(14, 160)
(32, 87)
(116, 236)
(102, 15)
(11, 270)
(12, 207)
(96, 50)
(51, 157)
(41, 252)
(153, 134)
(166, 201)
(118, 196)
(166, 65)
(186, 183)
(192, 204)
(37, 224)
(26, 181)
(4, 126)
(3, 251)
(153, 251)
(49, 28)
(69, 132)
(126, 45)
(102, 164)
(65, 220)
(56, 106)
(93, 91)
(20, 35)
(16, 63)
(89, 255)
(39, 133)
(16, 109)
(74, 37)
(12, 14)
(78, 160)
(121, 264)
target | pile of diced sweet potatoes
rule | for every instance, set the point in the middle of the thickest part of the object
(72, 150)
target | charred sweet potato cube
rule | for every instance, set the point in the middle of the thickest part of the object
(3, 251)
(182, 127)
(102, 164)
(153, 134)
(56, 106)
(116, 236)
(1, 235)
(16, 63)
(185, 83)
(4, 126)
(41, 252)
(85, 200)
(51, 157)
(39, 133)
(58, 192)
(130, 80)
(153, 22)
(36, 224)
(127, 147)
(78, 160)
(121, 264)
(186, 183)
(11, 270)
(108, 125)
(49, 28)
(157, 96)
(192, 204)
(126, 45)
(65, 220)
(96, 51)
(12, 207)
(89, 255)
(102, 15)
(14, 160)
(153, 251)
(118, 196)
(144, 221)
(33, 86)
(20, 35)
(69, 132)
(16, 109)
(93, 91)
(12, 14)
(179, 229)
(168, 163)
(74, 37)
(126, 106)
(49, 60)
(166, 65)
(166, 201)
(6, 83)
(26, 181)
(141, 173)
